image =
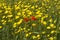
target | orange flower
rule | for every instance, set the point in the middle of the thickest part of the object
(33, 18)
(26, 19)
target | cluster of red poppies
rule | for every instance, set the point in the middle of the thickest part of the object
(32, 18)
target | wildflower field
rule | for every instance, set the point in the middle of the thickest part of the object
(29, 19)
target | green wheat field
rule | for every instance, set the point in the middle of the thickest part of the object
(29, 19)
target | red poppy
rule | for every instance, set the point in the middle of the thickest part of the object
(26, 19)
(33, 18)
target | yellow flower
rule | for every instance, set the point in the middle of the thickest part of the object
(9, 15)
(59, 12)
(19, 13)
(44, 22)
(24, 28)
(5, 7)
(30, 13)
(14, 25)
(34, 37)
(48, 27)
(54, 37)
(20, 21)
(59, 28)
(16, 17)
(52, 25)
(36, 6)
(0, 27)
(6, 12)
(53, 31)
(55, 21)
(18, 31)
(0, 5)
(25, 9)
(26, 6)
(8, 8)
(27, 35)
(33, 24)
(30, 33)
(4, 23)
(38, 36)
(48, 35)
(46, 15)
(2, 20)
(21, 29)
(33, 7)
(3, 17)
(0, 11)
(42, 18)
(51, 38)
(23, 14)
(10, 20)
(34, 0)
(43, 32)
(17, 7)
(28, 29)
(19, 2)
(46, 0)
(55, 0)
(50, 20)
(38, 16)
(38, 12)
(43, 4)
(3, 4)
